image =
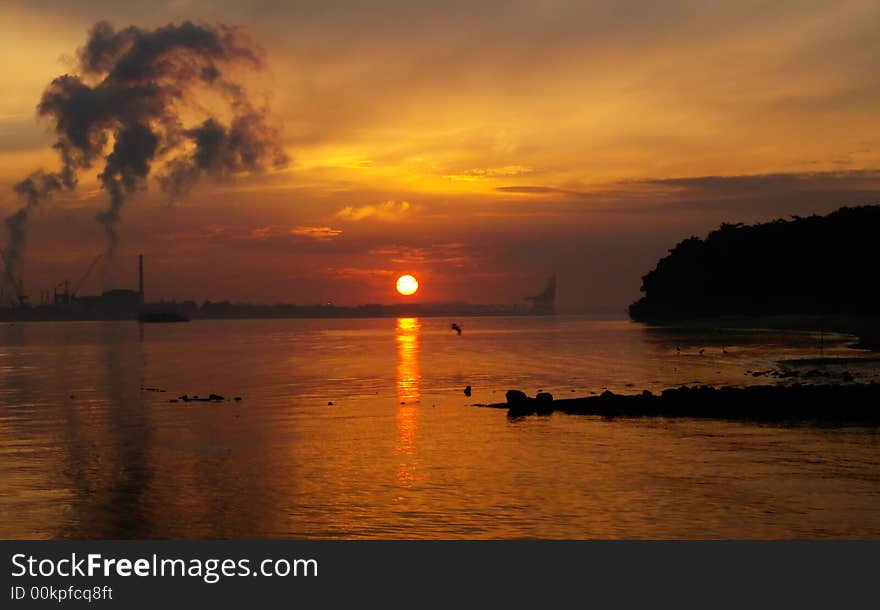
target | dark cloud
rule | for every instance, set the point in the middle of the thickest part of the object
(774, 193)
(133, 87)
(539, 190)
(798, 181)
(777, 194)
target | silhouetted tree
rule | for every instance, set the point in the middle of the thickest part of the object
(810, 265)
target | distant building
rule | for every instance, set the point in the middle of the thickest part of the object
(118, 303)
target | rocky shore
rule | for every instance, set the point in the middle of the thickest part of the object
(857, 404)
(865, 328)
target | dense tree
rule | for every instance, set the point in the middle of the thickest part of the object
(813, 265)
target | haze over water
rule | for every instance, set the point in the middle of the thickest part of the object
(88, 451)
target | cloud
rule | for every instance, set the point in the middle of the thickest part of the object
(388, 210)
(739, 185)
(189, 236)
(357, 273)
(264, 232)
(539, 190)
(773, 193)
(448, 254)
(275, 231)
(316, 232)
(505, 171)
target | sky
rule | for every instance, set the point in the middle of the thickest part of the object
(481, 146)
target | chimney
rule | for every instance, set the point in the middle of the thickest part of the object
(141, 276)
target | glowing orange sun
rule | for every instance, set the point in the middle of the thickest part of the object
(407, 285)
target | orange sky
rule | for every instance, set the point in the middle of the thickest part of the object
(481, 146)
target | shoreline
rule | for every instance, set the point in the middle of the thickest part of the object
(865, 328)
(853, 404)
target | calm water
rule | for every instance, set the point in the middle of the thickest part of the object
(85, 452)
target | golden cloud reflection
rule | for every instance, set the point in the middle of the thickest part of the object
(408, 394)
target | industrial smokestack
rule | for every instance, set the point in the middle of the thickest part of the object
(132, 87)
(141, 276)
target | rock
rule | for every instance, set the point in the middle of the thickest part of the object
(544, 403)
(237, 398)
(210, 398)
(839, 404)
(519, 404)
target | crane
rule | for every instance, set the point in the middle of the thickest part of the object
(85, 275)
(66, 296)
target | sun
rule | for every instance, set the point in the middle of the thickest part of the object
(407, 285)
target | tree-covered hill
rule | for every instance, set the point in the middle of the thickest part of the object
(814, 265)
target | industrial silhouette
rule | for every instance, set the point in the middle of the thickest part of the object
(545, 301)
(66, 303)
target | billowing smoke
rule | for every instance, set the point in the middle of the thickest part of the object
(247, 144)
(33, 189)
(126, 104)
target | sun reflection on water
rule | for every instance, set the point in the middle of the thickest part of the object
(408, 375)
(408, 395)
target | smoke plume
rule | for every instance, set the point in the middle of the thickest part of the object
(125, 107)
(33, 189)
